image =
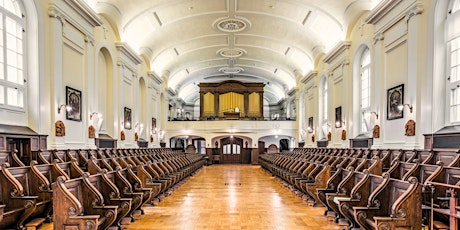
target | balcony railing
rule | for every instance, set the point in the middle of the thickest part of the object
(211, 118)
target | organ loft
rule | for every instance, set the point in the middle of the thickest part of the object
(229, 114)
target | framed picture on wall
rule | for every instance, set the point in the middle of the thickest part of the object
(127, 118)
(73, 100)
(310, 124)
(154, 125)
(395, 99)
(338, 117)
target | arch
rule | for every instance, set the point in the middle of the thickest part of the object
(106, 93)
(143, 105)
(323, 107)
(437, 89)
(362, 82)
(275, 140)
(30, 97)
(36, 90)
(163, 116)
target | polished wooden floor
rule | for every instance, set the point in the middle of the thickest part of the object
(231, 197)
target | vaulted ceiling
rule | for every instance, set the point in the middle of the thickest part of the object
(269, 41)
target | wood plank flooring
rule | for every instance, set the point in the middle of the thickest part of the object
(231, 197)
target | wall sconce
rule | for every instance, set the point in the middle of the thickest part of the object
(339, 124)
(401, 107)
(376, 114)
(67, 107)
(94, 113)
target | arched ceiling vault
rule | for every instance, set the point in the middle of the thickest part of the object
(193, 41)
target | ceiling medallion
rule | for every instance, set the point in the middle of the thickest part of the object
(231, 25)
(231, 53)
(231, 70)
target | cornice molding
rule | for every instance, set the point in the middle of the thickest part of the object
(54, 11)
(337, 51)
(85, 11)
(155, 78)
(171, 92)
(126, 50)
(312, 74)
(292, 91)
(381, 10)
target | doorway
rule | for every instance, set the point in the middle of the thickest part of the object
(231, 150)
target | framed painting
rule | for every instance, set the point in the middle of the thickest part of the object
(338, 117)
(127, 118)
(395, 100)
(73, 100)
(310, 124)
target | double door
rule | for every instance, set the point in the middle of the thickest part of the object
(231, 150)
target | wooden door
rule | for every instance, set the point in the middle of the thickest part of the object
(231, 149)
(246, 157)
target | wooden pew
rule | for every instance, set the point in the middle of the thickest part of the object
(395, 204)
(35, 183)
(332, 187)
(16, 206)
(146, 179)
(449, 158)
(121, 183)
(399, 168)
(426, 156)
(112, 196)
(44, 156)
(320, 182)
(81, 206)
(340, 184)
(388, 156)
(364, 184)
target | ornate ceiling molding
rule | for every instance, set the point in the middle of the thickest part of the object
(232, 53)
(231, 25)
(231, 70)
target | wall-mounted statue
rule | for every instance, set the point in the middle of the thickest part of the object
(60, 128)
(410, 128)
(344, 134)
(151, 138)
(122, 135)
(136, 136)
(376, 131)
(91, 132)
(329, 136)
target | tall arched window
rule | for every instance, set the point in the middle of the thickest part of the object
(12, 68)
(453, 58)
(365, 94)
(323, 106)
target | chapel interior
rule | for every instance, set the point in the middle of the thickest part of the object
(229, 114)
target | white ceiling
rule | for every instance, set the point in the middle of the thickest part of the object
(278, 44)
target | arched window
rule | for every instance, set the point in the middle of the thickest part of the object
(365, 94)
(12, 67)
(323, 106)
(453, 59)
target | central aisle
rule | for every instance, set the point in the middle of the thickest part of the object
(232, 197)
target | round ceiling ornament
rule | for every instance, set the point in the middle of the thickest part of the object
(231, 70)
(231, 53)
(231, 25)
